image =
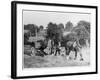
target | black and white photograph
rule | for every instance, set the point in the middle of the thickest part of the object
(56, 39)
(53, 39)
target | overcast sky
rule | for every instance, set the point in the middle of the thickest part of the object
(43, 18)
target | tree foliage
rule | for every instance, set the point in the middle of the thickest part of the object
(85, 24)
(69, 26)
(61, 26)
(83, 31)
(41, 27)
(32, 28)
(54, 32)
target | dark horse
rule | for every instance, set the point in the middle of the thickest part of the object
(72, 46)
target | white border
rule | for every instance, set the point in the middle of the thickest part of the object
(58, 70)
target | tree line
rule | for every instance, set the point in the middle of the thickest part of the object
(59, 33)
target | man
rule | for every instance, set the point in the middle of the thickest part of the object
(62, 51)
(33, 51)
(57, 50)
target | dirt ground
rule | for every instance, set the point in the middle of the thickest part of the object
(56, 61)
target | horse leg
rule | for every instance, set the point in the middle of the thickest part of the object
(59, 52)
(81, 59)
(67, 53)
(75, 54)
(55, 52)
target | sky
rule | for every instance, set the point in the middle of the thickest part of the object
(44, 17)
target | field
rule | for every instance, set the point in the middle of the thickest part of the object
(57, 61)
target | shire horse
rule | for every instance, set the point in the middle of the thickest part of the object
(73, 46)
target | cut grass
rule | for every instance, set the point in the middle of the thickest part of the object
(56, 61)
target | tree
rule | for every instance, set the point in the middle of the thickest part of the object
(41, 27)
(61, 26)
(32, 28)
(83, 31)
(69, 26)
(51, 30)
(54, 32)
(85, 24)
